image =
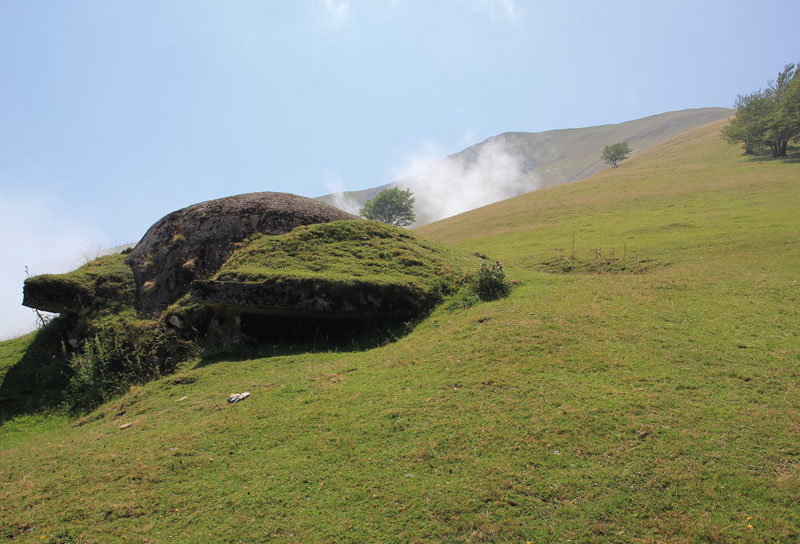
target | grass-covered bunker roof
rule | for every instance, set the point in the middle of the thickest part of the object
(343, 268)
(104, 281)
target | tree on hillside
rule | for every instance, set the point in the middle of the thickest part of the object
(749, 125)
(768, 118)
(614, 153)
(391, 206)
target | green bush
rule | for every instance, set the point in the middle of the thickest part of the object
(106, 366)
(490, 282)
(119, 351)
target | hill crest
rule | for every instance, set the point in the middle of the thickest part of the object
(514, 163)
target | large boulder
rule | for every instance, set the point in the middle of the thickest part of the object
(192, 243)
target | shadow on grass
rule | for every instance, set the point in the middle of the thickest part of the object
(36, 382)
(269, 336)
(792, 157)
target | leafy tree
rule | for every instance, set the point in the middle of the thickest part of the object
(788, 109)
(391, 206)
(749, 127)
(768, 118)
(614, 153)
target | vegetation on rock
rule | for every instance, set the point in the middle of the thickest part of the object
(193, 242)
(100, 344)
(106, 281)
(356, 266)
(346, 251)
(116, 351)
(103, 342)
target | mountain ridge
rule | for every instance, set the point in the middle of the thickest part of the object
(513, 163)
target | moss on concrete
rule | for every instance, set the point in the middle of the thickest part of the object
(106, 281)
(339, 268)
(346, 252)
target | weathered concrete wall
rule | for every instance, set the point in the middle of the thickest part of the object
(313, 297)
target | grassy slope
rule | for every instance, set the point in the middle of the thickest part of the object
(12, 351)
(598, 408)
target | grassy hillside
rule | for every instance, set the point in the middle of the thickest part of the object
(555, 157)
(657, 401)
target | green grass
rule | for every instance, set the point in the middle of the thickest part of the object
(591, 407)
(13, 350)
(368, 252)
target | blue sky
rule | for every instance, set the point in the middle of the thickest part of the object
(113, 114)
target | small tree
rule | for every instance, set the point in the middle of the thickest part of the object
(614, 153)
(391, 206)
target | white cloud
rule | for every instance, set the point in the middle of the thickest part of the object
(37, 232)
(444, 188)
(333, 182)
(505, 10)
(338, 11)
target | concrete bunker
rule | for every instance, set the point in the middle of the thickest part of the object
(343, 274)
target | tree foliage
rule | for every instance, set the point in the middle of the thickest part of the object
(768, 118)
(391, 206)
(614, 153)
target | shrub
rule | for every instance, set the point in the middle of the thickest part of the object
(119, 351)
(104, 368)
(490, 282)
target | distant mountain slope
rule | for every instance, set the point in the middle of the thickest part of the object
(514, 163)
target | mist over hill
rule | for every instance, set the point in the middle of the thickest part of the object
(514, 163)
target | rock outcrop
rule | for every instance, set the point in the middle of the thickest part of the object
(192, 243)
